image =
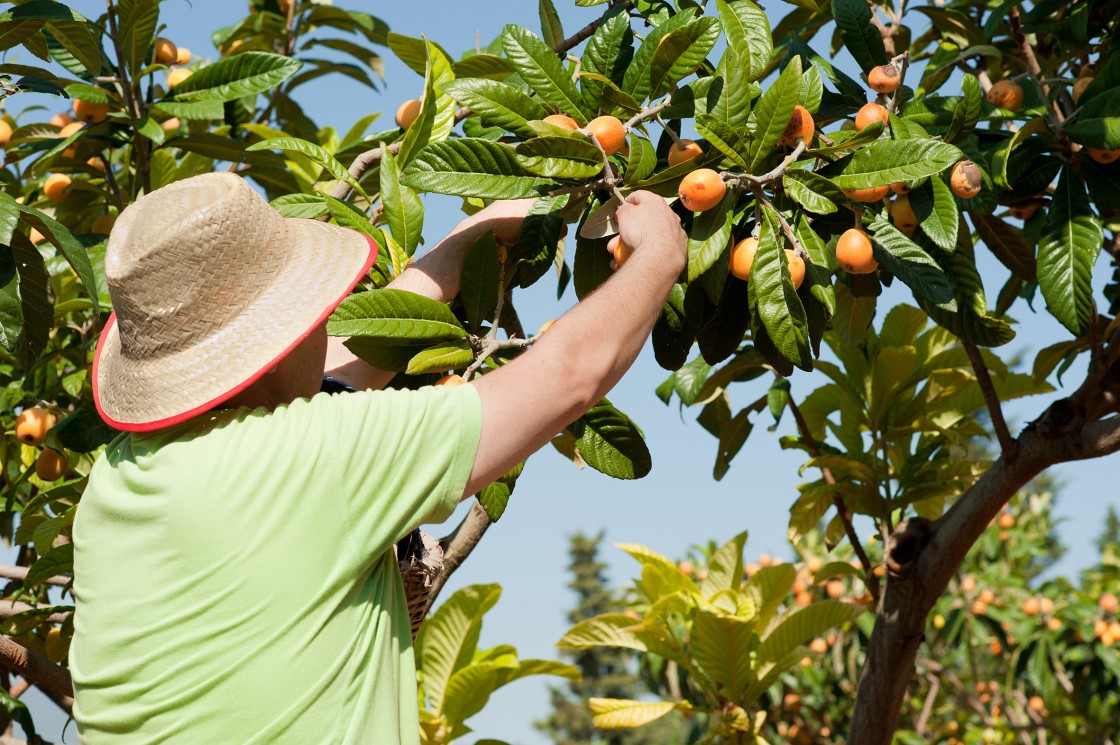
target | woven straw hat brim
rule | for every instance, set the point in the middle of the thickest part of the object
(148, 394)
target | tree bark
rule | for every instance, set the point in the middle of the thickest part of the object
(923, 557)
(52, 679)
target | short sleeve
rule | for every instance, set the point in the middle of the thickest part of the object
(400, 458)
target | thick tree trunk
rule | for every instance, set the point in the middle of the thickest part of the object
(923, 557)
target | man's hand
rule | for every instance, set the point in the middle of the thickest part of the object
(646, 222)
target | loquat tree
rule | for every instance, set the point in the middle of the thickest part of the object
(989, 124)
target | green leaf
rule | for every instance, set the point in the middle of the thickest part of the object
(853, 315)
(611, 443)
(441, 358)
(812, 191)
(734, 104)
(773, 112)
(748, 33)
(542, 69)
(800, 626)
(861, 38)
(449, 637)
(636, 80)
(608, 53)
(480, 286)
(237, 76)
(909, 262)
(469, 167)
(724, 646)
(536, 248)
(26, 312)
(726, 138)
(937, 213)
(137, 21)
(436, 118)
(725, 568)
(560, 157)
(62, 239)
(1098, 122)
(680, 52)
(397, 315)
(403, 210)
(551, 27)
(967, 113)
(890, 161)
(316, 152)
(606, 630)
(773, 298)
(80, 40)
(497, 104)
(710, 236)
(59, 560)
(971, 321)
(482, 66)
(1067, 249)
(613, 713)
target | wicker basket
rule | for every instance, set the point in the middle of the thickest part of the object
(420, 558)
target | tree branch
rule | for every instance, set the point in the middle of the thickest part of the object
(20, 574)
(459, 545)
(52, 679)
(1007, 444)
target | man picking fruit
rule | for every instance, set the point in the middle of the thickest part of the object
(235, 577)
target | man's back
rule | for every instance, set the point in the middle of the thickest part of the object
(236, 576)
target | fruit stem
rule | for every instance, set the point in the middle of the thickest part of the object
(896, 99)
(651, 112)
(609, 178)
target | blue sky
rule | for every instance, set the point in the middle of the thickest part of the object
(679, 504)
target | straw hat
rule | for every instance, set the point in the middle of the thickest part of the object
(210, 288)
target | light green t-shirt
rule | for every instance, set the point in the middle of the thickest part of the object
(235, 577)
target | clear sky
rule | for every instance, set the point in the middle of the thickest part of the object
(679, 504)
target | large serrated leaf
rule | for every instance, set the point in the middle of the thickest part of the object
(480, 287)
(449, 637)
(1067, 249)
(237, 76)
(1008, 245)
(560, 157)
(800, 626)
(748, 33)
(316, 152)
(26, 315)
(710, 236)
(724, 647)
(680, 52)
(441, 358)
(636, 80)
(812, 191)
(966, 114)
(436, 117)
(394, 316)
(971, 321)
(909, 262)
(540, 67)
(497, 104)
(728, 139)
(611, 443)
(136, 23)
(937, 212)
(403, 210)
(537, 242)
(890, 161)
(861, 38)
(607, 630)
(608, 53)
(773, 112)
(773, 298)
(1098, 122)
(613, 713)
(470, 167)
(62, 239)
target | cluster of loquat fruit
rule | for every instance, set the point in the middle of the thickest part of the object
(32, 426)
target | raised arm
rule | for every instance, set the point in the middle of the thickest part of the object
(526, 402)
(436, 275)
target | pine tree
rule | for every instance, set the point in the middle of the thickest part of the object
(606, 673)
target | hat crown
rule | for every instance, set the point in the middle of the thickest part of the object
(188, 259)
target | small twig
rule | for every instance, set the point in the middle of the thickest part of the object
(651, 112)
(1008, 444)
(811, 445)
(673, 135)
(19, 574)
(786, 228)
(585, 33)
(596, 185)
(579, 65)
(1016, 24)
(927, 707)
(747, 181)
(896, 99)
(609, 178)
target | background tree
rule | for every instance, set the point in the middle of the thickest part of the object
(604, 672)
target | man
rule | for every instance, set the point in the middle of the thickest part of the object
(234, 575)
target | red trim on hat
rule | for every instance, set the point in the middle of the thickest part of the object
(184, 416)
